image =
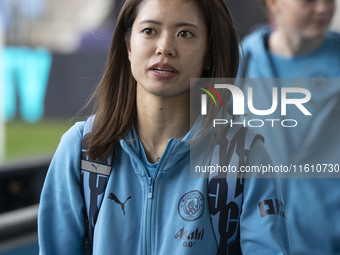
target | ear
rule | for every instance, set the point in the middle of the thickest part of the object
(128, 47)
(272, 6)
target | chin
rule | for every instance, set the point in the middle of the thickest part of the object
(316, 34)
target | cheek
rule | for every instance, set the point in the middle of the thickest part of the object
(194, 67)
(296, 19)
(291, 14)
(195, 57)
(135, 55)
(197, 61)
(140, 52)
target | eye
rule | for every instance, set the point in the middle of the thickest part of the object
(149, 31)
(185, 34)
(307, 1)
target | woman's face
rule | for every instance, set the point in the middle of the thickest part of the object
(168, 46)
(307, 18)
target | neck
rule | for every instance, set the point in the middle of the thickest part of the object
(289, 45)
(159, 119)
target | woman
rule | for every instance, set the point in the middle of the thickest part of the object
(151, 205)
(301, 47)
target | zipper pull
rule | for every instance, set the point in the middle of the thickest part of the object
(150, 187)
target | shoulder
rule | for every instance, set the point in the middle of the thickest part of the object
(329, 53)
(71, 140)
(69, 148)
(333, 37)
(255, 40)
(253, 48)
(331, 44)
(74, 133)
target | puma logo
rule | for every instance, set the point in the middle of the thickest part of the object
(115, 198)
(95, 167)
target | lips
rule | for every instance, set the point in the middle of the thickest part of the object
(321, 22)
(163, 71)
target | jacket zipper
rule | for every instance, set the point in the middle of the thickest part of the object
(148, 215)
(150, 190)
(151, 182)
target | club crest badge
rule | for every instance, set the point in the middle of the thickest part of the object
(191, 205)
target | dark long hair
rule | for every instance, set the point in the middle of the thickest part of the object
(115, 97)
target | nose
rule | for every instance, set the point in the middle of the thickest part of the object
(325, 6)
(165, 46)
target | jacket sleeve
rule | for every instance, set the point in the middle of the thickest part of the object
(61, 223)
(263, 226)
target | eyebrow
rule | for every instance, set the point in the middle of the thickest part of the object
(181, 24)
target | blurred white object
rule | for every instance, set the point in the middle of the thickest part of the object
(57, 25)
(68, 21)
(336, 19)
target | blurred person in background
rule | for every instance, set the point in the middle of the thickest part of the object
(299, 45)
(143, 117)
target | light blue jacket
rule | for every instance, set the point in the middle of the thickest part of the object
(152, 220)
(312, 205)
